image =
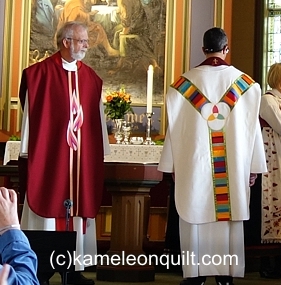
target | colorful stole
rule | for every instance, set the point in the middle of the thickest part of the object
(215, 121)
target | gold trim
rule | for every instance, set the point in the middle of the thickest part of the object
(8, 57)
(24, 52)
(7, 63)
(265, 19)
(219, 13)
(186, 35)
(174, 8)
(25, 40)
(169, 45)
(169, 58)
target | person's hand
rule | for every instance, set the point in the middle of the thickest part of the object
(253, 177)
(8, 207)
(4, 273)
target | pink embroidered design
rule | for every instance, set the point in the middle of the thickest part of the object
(78, 121)
(71, 137)
(74, 104)
(75, 122)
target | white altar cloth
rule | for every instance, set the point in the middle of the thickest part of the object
(134, 153)
(144, 154)
(12, 151)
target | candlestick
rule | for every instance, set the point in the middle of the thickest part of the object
(148, 140)
(149, 89)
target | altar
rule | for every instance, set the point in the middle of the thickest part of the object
(144, 154)
(130, 173)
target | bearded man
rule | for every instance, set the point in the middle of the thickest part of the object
(64, 139)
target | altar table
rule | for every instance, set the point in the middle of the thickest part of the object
(12, 151)
(130, 173)
(143, 154)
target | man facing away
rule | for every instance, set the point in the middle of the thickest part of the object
(214, 149)
(65, 138)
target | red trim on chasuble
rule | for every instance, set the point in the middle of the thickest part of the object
(216, 123)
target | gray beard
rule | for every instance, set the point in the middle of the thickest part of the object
(76, 55)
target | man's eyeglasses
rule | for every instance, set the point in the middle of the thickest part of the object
(81, 42)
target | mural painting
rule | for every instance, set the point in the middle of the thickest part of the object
(125, 37)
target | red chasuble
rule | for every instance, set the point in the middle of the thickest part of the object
(65, 149)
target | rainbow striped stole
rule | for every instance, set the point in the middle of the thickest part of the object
(190, 92)
(220, 175)
(217, 137)
(236, 90)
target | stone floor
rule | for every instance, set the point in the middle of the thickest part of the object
(251, 278)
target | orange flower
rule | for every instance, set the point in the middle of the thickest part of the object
(109, 98)
(127, 97)
(117, 104)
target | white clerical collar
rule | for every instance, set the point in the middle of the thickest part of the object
(69, 66)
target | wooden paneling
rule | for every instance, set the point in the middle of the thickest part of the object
(243, 35)
(156, 226)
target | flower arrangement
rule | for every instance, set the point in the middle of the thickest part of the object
(118, 103)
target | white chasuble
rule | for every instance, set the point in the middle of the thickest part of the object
(188, 145)
(212, 146)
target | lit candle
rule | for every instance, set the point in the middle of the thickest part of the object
(149, 89)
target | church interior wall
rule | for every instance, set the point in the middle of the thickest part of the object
(243, 35)
(198, 27)
(186, 32)
(198, 15)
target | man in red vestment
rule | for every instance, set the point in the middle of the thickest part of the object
(64, 137)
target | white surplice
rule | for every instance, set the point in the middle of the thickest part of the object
(187, 153)
(85, 243)
(271, 193)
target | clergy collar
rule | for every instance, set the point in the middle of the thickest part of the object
(69, 66)
(59, 60)
(214, 61)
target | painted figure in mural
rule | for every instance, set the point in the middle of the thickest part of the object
(43, 24)
(212, 128)
(133, 37)
(64, 140)
(45, 14)
(76, 10)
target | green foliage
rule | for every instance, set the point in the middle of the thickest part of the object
(118, 103)
(14, 138)
(159, 142)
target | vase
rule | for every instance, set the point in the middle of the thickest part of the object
(117, 130)
(127, 127)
